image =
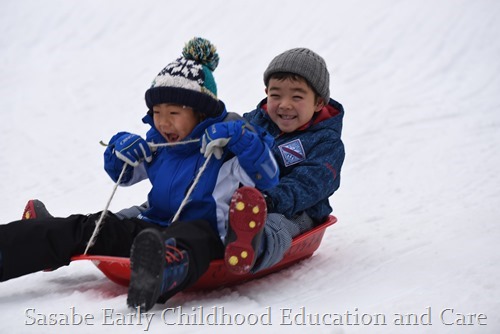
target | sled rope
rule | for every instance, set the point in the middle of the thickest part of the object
(188, 194)
(103, 213)
(183, 203)
(153, 145)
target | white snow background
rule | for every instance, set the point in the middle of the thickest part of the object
(418, 206)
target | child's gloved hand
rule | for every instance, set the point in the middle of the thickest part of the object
(219, 135)
(132, 149)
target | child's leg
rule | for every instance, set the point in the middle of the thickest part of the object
(32, 245)
(277, 237)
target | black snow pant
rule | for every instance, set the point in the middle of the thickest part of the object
(28, 246)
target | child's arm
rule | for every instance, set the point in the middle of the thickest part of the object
(127, 148)
(250, 147)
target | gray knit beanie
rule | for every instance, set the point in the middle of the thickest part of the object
(305, 63)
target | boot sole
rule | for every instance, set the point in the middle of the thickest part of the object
(247, 215)
(147, 264)
(35, 209)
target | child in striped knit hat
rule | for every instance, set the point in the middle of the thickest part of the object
(194, 158)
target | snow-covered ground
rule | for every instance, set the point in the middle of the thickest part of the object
(416, 248)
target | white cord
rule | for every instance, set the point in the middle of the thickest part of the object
(153, 145)
(103, 213)
(188, 194)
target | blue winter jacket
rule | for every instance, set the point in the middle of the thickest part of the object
(309, 159)
(174, 168)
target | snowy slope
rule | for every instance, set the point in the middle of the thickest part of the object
(418, 205)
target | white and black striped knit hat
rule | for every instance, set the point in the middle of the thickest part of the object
(189, 80)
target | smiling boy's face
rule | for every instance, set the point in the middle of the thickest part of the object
(174, 122)
(291, 103)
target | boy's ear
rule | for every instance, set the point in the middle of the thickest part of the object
(320, 103)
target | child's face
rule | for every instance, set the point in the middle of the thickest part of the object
(174, 122)
(291, 103)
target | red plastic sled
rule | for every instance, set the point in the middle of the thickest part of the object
(117, 269)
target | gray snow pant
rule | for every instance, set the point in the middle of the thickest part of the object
(277, 237)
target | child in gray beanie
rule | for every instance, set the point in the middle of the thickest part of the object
(306, 124)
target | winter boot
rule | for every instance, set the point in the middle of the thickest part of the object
(156, 267)
(35, 209)
(247, 216)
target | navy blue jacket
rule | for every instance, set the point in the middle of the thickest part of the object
(310, 161)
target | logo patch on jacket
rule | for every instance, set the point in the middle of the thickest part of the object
(292, 152)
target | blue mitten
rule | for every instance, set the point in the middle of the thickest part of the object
(219, 135)
(132, 149)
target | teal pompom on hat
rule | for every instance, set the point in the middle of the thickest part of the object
(189, 80)
(202, 51)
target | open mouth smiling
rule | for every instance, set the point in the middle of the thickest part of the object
(171, 137)
(287, 117)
